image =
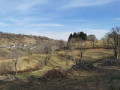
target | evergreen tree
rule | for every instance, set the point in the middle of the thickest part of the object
(74, 35)
(70, 37)
(81, 35)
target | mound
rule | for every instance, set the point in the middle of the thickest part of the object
(110, 62)
(84, 65)
(53, 74)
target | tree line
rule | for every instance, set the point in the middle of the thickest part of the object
(111, 40)
(83, 36)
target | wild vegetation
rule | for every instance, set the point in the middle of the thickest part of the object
(38, 63)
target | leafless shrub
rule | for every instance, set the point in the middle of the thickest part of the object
(92, 38)
(61, 44)
(81, 45)
(71, 47)
(114, 39)
(15, 54)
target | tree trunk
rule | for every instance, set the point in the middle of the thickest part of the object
(72, 53)
(93, 44)
(46, 59)
(81, 55)
(45, 62)
(116, 53)
(16, 67)
(67, 63)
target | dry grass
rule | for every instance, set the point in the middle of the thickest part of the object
(91, 54)
(57, 61)
(92, 80)
(61, 62)
(94, 54)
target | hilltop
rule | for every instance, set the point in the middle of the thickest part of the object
(12, 39)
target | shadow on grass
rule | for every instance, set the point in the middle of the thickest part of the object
(98, 61)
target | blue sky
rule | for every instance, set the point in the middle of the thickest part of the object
(58, 18)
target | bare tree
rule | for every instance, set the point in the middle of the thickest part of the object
(92, 38)
(61, 44)
(15, 60)
(15, 54)
(48, 49)
(104, 42)
(77, 43)
(39, 46)
(107, 41)
(114, 38)
(81, 45)
(71, 46)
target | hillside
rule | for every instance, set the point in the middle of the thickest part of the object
(31, 62)
(25, 44)
(13, 39)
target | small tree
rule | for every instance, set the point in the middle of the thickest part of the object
(114, 38)
(71, 36)
(48, 48)
(61, 44)
(81, 45)
(71, 46)
(104, 42)
(108, 41)
(66, 54)
(81, 35)
(15, 54)
(92, 38)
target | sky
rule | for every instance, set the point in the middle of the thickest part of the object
(56, 19)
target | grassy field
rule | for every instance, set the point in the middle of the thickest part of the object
(101, 79)
(58, 60)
